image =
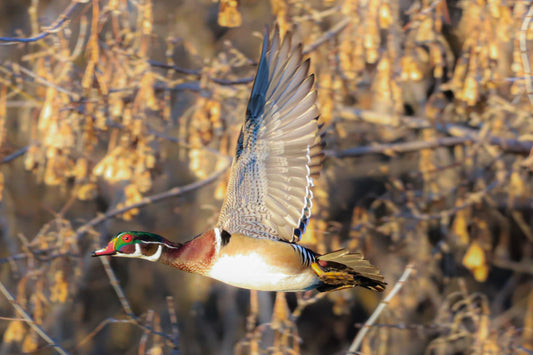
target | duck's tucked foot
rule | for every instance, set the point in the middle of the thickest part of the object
(341, 269)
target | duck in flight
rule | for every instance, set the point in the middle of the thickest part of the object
(254, 244)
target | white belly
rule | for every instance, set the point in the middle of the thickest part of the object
(251, 271)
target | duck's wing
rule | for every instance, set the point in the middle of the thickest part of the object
(278, 151)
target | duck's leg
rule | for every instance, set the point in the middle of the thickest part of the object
(341, 269)
(332, 277)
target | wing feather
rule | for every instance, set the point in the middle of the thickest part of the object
(279, 151)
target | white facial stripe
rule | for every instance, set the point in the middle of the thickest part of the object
(218, 240)
(168, 246)
(138, 253)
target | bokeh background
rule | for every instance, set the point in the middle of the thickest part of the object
(108, 106)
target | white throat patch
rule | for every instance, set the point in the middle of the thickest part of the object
(155, 257)
(138, 254)
(218, 240)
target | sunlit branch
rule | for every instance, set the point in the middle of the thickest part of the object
(382, 305)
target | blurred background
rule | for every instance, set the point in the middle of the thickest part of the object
(107, 106)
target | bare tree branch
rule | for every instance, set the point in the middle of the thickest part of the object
(469, 134)
(99, 328)
(126, 304)
(404, 147)
(62, 19)
(73, 95)
(382, 305)
(198, 73)
(524, 54)
(327, 36)
(29, 320)
(15, 155)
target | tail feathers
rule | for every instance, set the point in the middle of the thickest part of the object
(342, 269)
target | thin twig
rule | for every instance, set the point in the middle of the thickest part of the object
(303, 302)
(455, 130)
(118, 290)
(198, 73)
(29, 320)
(74, 96)
(525, 267)
(144, 337)
(61, 20)
(12, 319)
(99, 328)
(524, 55)
(382, 305)
(521, 348)
(151, 199)
(126, 304)
(15, 155)
(173, 319)
(327, 36)
(404, 147)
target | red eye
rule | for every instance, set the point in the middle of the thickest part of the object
(126, 238)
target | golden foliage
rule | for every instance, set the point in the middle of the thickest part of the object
(132, 196)
(30, 343)
(475, 261)
(2, 181)
(527, 337)
(15, 332)
(228, 13)
(460, 226)
(59, 289)
(102, 120)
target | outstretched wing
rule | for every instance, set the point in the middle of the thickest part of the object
(278, 152)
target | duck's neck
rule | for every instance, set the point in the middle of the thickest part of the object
(195, 256)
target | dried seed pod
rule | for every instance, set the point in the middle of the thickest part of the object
(385, 16)
(15, 332)
(475, 261)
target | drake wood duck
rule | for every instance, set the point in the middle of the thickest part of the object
(268, 202)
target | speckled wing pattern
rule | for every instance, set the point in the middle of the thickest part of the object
(278, 151)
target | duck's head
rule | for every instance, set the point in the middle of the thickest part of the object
(134, 244)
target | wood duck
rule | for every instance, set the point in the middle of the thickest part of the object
(268, 202)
